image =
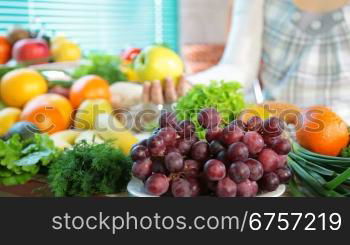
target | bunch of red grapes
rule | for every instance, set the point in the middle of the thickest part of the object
(242, 159)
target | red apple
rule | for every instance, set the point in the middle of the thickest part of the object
(31, 51)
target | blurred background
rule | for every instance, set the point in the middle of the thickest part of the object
(197, 29)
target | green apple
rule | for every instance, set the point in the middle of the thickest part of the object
(157, 62)
(88, 111)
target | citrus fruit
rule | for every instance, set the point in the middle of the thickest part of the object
(285, 111)
(255, 110)
(322, 131)
(89, 87)
(5, 50)
(88, 110)
(49, 112)
(66, 51)
(8, 117)
(19, 86)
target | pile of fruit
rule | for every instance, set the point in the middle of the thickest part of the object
(27, 47)
(242, 159)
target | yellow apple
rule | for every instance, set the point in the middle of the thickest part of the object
(157, 62)
(88, 111)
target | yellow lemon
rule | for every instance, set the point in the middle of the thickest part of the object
(8, 117)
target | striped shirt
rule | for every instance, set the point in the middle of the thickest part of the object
(306, 56)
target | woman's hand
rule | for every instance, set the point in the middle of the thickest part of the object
(154, 93)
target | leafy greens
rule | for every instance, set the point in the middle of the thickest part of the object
(103, 65)
(21, 160)
(226, 97)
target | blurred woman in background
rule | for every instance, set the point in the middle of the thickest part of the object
(299, 50)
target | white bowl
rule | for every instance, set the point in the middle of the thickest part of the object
(136, 189)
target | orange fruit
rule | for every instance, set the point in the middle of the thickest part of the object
(49, 112)
(5, 50)
(285, 111)
(322, 131)
(19, 86)
(89, 87)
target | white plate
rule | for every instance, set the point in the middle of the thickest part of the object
(136, 189)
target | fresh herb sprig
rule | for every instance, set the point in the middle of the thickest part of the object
(90, 169)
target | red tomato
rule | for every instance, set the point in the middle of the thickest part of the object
(5, 50)
(130, 53)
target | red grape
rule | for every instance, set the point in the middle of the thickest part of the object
(256, 169)
(269, 181)
(167, 119)
(226, 188)
(213, 134)
(170, 149)
(193, 139)
(192, 167)
(209, 118)
(174, 162)
(212, 185)
(282, 147)
(222, 156)
(214, 170)
(181, 188)
(284, 175)
(246, 189)
(143, 142)
(184, 146)
(282, 161)
(239, 172)
(242, 165)
(269, 160)
(254, 142)
(139, 152)
(215, 147)
(273, 126)
(200, 151)
(186, 129)
(255, 188)
(142, 169)
(255, 124)
(157, 184)
(156, 146)
(195, 186)
(271, 141)
(168, 135)
(231, 135)
(237, 152)
(159, 167)
(238, 123)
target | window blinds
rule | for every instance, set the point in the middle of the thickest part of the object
(100, 25)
